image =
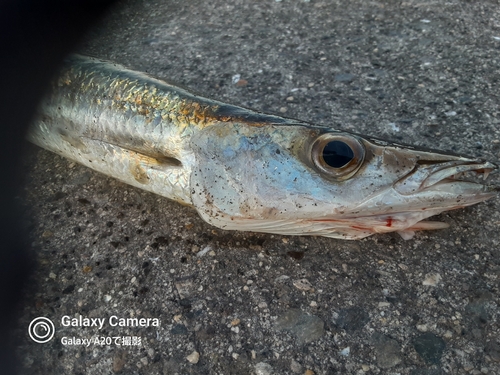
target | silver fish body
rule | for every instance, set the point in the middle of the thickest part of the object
(242, 170)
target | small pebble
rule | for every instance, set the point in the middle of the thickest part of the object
(242, 83)
(344, 77)
(432, 279)
(107, 298)
(81, 180)
(236, 78)
(263, 368)
(296, 367)
(422, 327)
(345, 352)
(203, 251)
(302, 284)
(177, 318)
(281, 278)
(430, 347)
(194, 357)
(235, 322)
(184, 288)
(365, 368)
(387, 351)
(119, 361)
(306, 328)
(47, 234)
(283, 109)
(309, 372)
(352, 319)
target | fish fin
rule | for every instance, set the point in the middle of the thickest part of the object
(406, 234)
(146, 155)
(428, 225)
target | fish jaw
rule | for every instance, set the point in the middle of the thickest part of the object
(263, 179)
(444, 174)
(414, 198)
(405, 216)
(345, 228)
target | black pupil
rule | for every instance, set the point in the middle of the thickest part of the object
(337, 154)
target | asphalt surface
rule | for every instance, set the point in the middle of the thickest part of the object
(418, 72)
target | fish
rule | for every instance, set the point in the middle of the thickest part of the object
(244, 170)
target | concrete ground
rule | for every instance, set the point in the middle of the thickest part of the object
(419, 72)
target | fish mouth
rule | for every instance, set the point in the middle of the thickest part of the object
(461, 176)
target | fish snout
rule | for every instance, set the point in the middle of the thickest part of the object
(427, 174)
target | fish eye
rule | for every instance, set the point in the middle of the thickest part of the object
(338, 155)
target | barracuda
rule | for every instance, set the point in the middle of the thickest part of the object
(243, 170)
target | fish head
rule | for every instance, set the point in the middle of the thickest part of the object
(298, 179)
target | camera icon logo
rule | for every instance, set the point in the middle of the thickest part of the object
(41, 330)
